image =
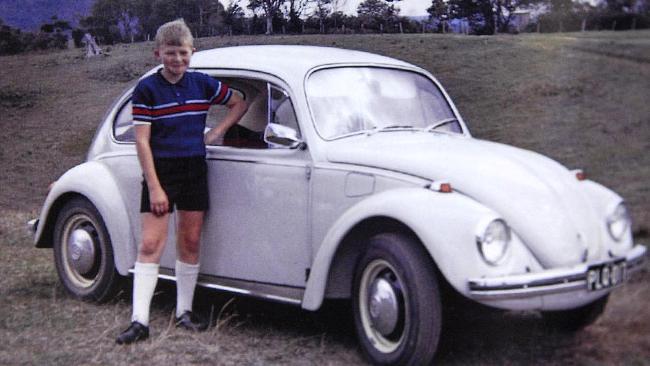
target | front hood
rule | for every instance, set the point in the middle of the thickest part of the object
(540, 199)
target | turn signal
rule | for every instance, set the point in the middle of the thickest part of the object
(441, 187)
(580, 175)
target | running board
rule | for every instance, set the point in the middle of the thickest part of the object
(277, 293)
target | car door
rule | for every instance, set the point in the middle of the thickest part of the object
(257, 228)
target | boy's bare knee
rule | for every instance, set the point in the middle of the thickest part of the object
(150, 247)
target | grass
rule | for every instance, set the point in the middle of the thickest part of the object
(581, 98)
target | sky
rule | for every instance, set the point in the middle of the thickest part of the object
(407, 7)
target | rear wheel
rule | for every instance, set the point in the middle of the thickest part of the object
(576, 319)
(83, 253)
(397, 310)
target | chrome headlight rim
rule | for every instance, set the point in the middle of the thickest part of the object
(618, 221)
(485, 236)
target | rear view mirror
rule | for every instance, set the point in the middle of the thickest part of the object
(281, 136)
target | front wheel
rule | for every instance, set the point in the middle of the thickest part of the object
(397, 309)
(83, 253)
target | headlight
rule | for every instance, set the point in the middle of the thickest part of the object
(618, 222)
(493, 241)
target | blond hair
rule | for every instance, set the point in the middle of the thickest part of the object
(174, 33)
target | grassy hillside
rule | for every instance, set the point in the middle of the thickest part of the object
(582, 99)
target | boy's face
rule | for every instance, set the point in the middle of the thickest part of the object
(175, 59)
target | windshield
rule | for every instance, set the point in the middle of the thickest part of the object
(349, 100)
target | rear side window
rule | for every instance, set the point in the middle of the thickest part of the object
(123, 124)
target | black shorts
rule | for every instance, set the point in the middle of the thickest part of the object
(184, 180)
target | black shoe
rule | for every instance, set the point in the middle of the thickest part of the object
(190, 321)
(134, 333)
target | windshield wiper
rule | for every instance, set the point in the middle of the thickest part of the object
(442, 122)
(388, 128)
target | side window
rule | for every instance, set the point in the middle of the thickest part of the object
(123, 124)
(266, 103)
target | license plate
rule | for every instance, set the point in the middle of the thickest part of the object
(607, 275)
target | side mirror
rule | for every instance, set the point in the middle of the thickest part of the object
(281, 136)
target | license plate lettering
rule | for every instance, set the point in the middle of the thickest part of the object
(605, 276)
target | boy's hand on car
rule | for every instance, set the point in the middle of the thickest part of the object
(159, 201)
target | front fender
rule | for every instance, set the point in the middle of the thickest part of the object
(95, 182)
(446, 223)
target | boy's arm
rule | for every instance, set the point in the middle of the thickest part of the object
(237, 108)
(157, 196)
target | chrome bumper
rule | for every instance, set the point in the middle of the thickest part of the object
(552, 281)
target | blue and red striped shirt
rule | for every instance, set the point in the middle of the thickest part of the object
(177, 112)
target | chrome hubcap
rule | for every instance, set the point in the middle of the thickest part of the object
(383, 306)
(81, 251)
(384, 310)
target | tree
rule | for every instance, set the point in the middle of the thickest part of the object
(112, 20)
(487, 16)
(439, 11)
(322, 10)
(210, 15)
(270, 9)
(376, 14)
(620, 6)
(294, 13)
(233, 17)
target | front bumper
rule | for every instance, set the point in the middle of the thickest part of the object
(553, 281)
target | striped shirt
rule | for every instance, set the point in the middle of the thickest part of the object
(177, 112)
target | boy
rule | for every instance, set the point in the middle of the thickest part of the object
(169, 112)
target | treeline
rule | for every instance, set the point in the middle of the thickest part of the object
(566, 16)
(135, 20)
(113, 21)
(503, 16)
(51, 35)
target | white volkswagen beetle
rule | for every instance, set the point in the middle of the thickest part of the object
(354, 176)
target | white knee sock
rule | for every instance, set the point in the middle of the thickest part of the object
(186, 275)
(145, 277)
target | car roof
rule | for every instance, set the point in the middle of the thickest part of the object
(286, 61)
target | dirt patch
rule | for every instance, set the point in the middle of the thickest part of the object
(123, 71)
(17, 98)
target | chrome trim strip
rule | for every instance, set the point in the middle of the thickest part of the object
(548, 282)
(241, 290)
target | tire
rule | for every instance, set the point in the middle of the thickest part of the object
(575, 319)
(83, 253)
(408, 331)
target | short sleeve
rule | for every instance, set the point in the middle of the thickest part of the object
(218, 92)
(142, 106)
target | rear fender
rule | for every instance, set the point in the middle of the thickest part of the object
(93, 181)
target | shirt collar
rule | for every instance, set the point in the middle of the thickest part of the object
(181, 83)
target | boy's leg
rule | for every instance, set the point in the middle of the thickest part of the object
(154, 236)
(187, 266)
(145, 276)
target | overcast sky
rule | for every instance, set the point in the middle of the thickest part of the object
(408, 7)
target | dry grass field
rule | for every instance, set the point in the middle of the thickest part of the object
(580, 98)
